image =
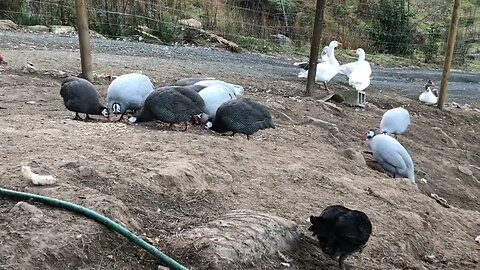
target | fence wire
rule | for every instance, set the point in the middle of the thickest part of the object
(411, 28)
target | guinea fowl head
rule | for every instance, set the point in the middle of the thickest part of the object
(104, 112)
(370, 134)
(208, 125)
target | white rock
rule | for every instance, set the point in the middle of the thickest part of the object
(477, 239)
(62, 29)
(423, 181)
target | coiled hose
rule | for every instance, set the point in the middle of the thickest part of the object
(98, 218)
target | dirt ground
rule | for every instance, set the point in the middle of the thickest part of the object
(159, 183)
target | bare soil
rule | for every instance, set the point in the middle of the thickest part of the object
(160, 183)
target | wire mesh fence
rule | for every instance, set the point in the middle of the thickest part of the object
(416, 29)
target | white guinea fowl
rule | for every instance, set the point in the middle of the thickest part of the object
(128, 92)
(326, 70)
(214, 96)
(235, 89)
(395, 121)
(428, 97)
(391, 155)
(359, 77)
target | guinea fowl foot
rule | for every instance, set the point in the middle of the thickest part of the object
(186, 125)
(77, 117)
(88, 118)
(171, 126)
(248, 137)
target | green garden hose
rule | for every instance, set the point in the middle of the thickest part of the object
(98, 218)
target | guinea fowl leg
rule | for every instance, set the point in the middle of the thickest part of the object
(341, 261)
(186, 125)
(248, 137)
(87, 117)
(171, 126)
(77, 117)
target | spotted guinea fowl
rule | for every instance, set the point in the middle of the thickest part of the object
(341, 231)
(391, 155)
(395, 121)
(80, 96)
(170, 104)
(128, 92)
(242, 115)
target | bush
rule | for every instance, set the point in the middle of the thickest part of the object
(391, 29)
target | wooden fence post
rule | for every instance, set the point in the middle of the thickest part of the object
(315, 46)
(452, 36)
(84, 39)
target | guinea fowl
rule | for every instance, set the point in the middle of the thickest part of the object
(326, 70)
(235, 89)
(214, 96)
(190, 81)
(242, 115)
(391, 155)
(395, 121)
(80, 96)
(128, 92)
(170, 104)
(341, 231)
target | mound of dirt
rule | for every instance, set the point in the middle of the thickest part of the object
(239, 237)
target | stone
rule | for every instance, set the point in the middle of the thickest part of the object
(465, 170)
(7, 25)
(281, 39)
(62, 29)
(38, 28)
(322, 123)
(354, 155)
(28, 68)
(191, 23)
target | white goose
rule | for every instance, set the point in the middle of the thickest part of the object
(304, 65)
(428, 96)
(359, 78)
(326, 70)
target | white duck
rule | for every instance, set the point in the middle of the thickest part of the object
(359, 77)
(395, 121)
(326, 70)
(428, 96)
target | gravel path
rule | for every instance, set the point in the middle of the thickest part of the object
(463, 86)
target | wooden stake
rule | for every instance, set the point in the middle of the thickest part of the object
(84, 39)
(315, 46)
(452, 36)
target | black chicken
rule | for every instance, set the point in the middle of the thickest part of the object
(341, 231)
